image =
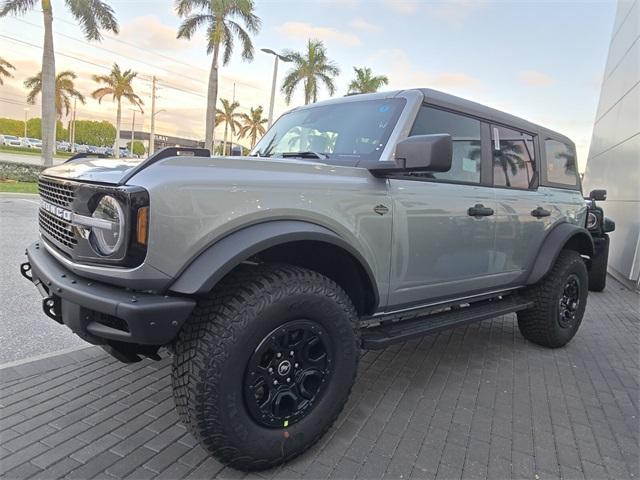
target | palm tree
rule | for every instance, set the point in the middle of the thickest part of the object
(221, 20)
(118, 84)
(310, 68)
(253, 125)
(65, 91)
(510, 158)
(4, 69)
(230, 118)
(92, 16)
(366, 82)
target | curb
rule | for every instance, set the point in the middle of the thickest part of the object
(18, 194)
(39, 364)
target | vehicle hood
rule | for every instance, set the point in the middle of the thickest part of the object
(98, 170)
(113, 171)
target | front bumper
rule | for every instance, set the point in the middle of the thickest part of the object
(103, 314)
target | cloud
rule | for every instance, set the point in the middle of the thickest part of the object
(535, 79)
(148, 32)
(305, 30)
(362, 24)
(452, 11)
(401, 6)
(402, 73)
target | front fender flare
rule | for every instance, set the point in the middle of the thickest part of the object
(562, 235)
(219, 259)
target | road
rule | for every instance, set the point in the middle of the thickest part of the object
(24, 330)
(25, 158)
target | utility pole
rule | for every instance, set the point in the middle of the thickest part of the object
(133, 131)
(26, 112)
(72, 137)
(152, 129)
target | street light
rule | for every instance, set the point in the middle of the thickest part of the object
(26, 111)
(275, 77)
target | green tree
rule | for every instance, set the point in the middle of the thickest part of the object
(366, 82)
(310, 68)
(138, 147)
(9, 126)
(34, 129)
(4, 70)
(252, 125)
(64, 92)
(92, 16)
(221, 20)
(229, 117)
(119, 85)
(91, 132)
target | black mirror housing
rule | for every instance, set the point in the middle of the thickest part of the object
(599, 194)
(422, 153)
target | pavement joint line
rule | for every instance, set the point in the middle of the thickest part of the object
(18, 194)
(44, 356)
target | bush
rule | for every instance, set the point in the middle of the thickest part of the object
(9, 126)
(138, 147)
(21, 172)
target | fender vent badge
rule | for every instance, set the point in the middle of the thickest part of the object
(380, 209)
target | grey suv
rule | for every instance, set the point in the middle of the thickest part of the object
(354, 223)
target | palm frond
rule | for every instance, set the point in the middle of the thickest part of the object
(190, 24)
(16, 7)
(93, 16)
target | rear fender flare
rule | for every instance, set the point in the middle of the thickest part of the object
(562, 236)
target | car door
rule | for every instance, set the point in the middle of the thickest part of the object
(524, 213)
(439, 249)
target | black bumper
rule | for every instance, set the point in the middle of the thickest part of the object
(103, 314)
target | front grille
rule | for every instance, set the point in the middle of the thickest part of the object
(57, 229)
(53, 227)
(57, 193)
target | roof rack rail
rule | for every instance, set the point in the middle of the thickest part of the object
(166, 153)
(86, 155)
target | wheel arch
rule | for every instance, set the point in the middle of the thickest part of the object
(563, 236)
(294, 242)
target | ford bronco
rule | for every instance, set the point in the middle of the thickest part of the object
(354, 223)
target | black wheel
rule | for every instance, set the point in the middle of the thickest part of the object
(559, 300)
(265, 364)
(598, 270)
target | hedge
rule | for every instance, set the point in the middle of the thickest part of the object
(21, 172)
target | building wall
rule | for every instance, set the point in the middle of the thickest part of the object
(614, 156)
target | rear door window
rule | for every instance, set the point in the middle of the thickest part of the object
(514, 161)
(561, 163)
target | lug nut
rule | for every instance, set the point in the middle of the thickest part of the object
(270, 370)
(292, 353)
(275, 382)
(278, 355)
(296, 365)
(288, 379)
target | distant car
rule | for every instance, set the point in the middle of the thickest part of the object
(92, 149)
(81, 148)
(31, 143)
(10, 141)
(63, 146)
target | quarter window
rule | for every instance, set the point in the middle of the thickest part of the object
(465, 134)
(514, 163)
(561, 163)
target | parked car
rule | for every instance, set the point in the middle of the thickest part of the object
(62, 146)
(31, 143)
(81, 148)
(10, 141)
(358, 222)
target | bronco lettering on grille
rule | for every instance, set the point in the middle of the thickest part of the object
(57, 211)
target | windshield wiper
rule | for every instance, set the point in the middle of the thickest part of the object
(307, 154)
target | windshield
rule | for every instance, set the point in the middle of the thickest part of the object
(340, 133)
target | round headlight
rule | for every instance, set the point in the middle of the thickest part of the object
(592, 221)
(108, 236)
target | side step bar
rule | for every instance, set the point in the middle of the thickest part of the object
(374, 338)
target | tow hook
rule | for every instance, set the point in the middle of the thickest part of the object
(25, 270)
(51, 308)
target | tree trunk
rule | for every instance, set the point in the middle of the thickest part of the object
(116, 146)
(224, 143)
(212, 100)
(48, 87)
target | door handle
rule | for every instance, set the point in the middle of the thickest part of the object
(479, 210)
(540, 212)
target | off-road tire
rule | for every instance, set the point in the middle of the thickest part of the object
(541, 323)
(213, 349)
(598, 270)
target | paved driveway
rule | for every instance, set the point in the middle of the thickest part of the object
(475, 402)
(24, 330)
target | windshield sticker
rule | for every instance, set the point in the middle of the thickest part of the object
(383, 108)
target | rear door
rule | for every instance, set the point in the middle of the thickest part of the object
(524, 212)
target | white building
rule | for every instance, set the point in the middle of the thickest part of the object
(614, 156)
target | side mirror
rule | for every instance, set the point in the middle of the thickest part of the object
(422, 153)
(600, 195)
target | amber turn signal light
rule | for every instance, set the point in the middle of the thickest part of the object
(142, 231)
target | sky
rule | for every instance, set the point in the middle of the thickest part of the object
(541, 60)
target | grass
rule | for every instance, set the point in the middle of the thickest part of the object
(30, 151)
(18, 187)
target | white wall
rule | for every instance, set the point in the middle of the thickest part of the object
(614, 156)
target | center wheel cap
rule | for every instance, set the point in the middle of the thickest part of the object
(284, 368)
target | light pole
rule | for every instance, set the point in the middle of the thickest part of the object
(152, 135)
(133, 129)
(26, 111)
(275, 78)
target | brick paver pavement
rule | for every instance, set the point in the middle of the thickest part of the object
(475, 402)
